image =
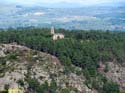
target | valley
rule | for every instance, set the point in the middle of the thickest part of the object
(87, 18)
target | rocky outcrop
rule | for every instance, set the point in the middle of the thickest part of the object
(115, 72)
(19, 62)
(1, 51)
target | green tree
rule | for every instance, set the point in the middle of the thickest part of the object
(111, 87)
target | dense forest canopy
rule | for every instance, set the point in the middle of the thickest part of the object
(84, 49)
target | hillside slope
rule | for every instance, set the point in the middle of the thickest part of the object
(100, 56)
(30, 71)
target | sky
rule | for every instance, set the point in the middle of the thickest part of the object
(38, 2)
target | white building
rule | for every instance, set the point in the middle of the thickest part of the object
(56, 35)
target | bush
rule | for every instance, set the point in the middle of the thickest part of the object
(12, 56)
(21, 83)
(111, 87)
(44, 88)
(66, 90)
(33, 84)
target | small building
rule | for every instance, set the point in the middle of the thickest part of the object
(56, 36)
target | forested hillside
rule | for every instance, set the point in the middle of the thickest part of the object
(85, 49)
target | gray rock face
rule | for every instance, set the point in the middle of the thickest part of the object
(2, 53)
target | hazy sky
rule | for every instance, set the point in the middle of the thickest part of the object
(84, 2)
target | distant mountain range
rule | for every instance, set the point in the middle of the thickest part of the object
(102, 16)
